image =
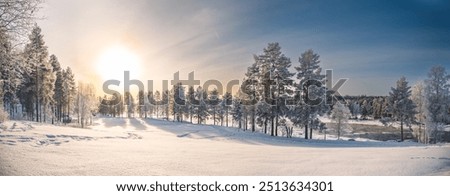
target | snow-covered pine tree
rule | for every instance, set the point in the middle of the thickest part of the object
(191, 102)
(150, 106)
(354, 109)
(58, 95)
(274, 77)
(401, 106)
(69, 91)
(47, 91)
(179, 102)
(418, 96)
(264, 114)
(366, 109)
(129, 104)
(166, 101)
(141, 103)
(221, 111)
(213, 102)
(438, 99)
(201, 109)
(10, 75)
(340, 115)
(146, 106)
(116, 105)
(157, 103)
(250, 86)
(227, 101)
(38, 71)
(310, 102)
(377, 106)
(237, 111)
(104, 107)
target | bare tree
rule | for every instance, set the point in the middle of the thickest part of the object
(340, 115)
(17, 17)
(85, 105)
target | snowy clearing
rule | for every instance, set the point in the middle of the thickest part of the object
(122, 146)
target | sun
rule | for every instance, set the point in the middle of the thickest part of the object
(114, 61)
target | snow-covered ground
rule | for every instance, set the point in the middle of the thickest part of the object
(122, 146)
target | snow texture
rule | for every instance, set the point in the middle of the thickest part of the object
(134, 146)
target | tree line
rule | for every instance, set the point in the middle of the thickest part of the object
(33, 84)
(264, 101)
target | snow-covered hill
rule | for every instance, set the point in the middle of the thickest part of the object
(121, 146)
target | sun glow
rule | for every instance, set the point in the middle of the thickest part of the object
(114, 61)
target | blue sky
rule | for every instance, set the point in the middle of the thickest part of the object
(373, 43)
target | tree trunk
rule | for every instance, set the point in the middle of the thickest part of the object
(276, 125)
(339, 128)
(37, 95)
(226, 116)
(253, 119)
(265, 126)
(53, 116)
(68, 106)
(401, 130)
(306, 131)
(272, 128)
(245, 121)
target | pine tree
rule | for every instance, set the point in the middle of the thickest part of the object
(104, 105)
(179, 102)
(47, 91)
(141, 103)
(213, 101)
(237, 111)
(201, 110)
(377, 106)
(221, 111)
(227, 101)
(354, 109)
(400, 104)
(157, 102)
(58, 95)
(191, 102)
(38, 70)
(274, 80)
(250, 86)
(165, 102)
(69, 91)
(310, 93)
(264, 114)
(366, 109)
(129, 104)
(10, 75)
(150, 107)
